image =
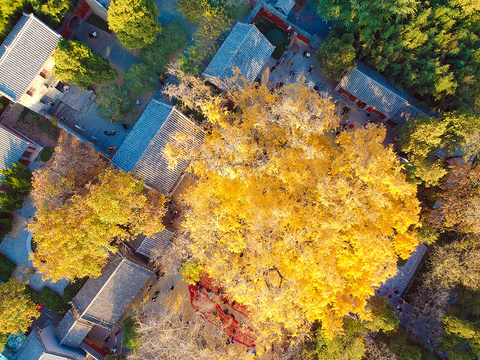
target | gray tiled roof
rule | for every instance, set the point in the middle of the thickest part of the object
(107, 296)
(71, 332)
(42, 344)
(407, 112)
(285, 5)
(143, 150)
(23, 54)
(155, 243)
(12, 148)
(374, 89)
(246, 48)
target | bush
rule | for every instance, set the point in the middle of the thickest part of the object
(49, 299)
(6, 268)
(130, 336)
(44, 127)
(46, 154)
(99, 23)
(173, 37)
(18, 181)
(5, 228)
(73, 288)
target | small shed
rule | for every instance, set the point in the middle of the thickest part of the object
(285, 6)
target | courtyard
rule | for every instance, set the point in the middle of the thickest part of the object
(294, 66)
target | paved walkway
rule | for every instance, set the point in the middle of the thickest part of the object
(326, 86)
(18, 250)
(169, 12)
(107, 45)
(93, 127)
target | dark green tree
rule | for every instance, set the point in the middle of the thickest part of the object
(173, 37)
(429, 48)
(18, 181)
(462, 327)
(351, 343)
(337, 55)
(54, 10)
(130, 336)
(7, 9)
(76, 64)
(421, 138)
(141, 78)
(115, 104)
(134, 21)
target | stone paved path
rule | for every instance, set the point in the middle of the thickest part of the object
(107, 45)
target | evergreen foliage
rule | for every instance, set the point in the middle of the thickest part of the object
(212, 21)
(337, 55)
(18, 181)
(141, 78)
(134, 21)
(431, 49)
(76, 64)
(173, 37)
(115, 103)
(421, 138)
(350, 343)
(130, 336)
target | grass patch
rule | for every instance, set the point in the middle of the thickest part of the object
(265, 25)
(99, 23)
(73, 288)
(49, 299)
(3, 103)
(6, 268)
(46, 154)
(278, 52)
(130, 335)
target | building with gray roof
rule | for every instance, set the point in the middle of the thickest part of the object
(42, 344)
(285, 6)
(143, 151)
(26, 63)
(151, 246)
(372, 92)
(244, 53)
(100, 7)
(15, 147)
(103, 300)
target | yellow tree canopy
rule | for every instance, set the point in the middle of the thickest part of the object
(296, 223)
(84, 210)
(17, 310)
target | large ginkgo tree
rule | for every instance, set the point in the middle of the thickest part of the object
(295, 222)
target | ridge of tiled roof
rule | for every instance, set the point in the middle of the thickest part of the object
(23, 53)
(107, 296)
(142, 152)
(141, 135)
(155, 243)
(245, 48)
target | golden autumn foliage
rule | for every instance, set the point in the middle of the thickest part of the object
(17, 310)
(297, 224)
(76, 230)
